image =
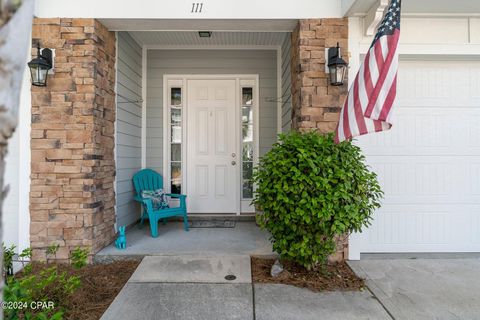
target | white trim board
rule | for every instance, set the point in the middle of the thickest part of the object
(25, 157)
(115, 134)
(151, 10)
(279, 91)
(144, 107)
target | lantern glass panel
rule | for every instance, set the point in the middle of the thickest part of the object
(39, 75)
(337, 74)
(341, 73)
(333, 74)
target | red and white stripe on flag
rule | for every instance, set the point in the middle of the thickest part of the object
(368, 107)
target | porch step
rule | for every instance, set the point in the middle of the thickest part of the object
(194, 269)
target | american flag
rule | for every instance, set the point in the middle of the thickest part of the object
(371, 96)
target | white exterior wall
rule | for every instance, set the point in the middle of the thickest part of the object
(10, 205)
(16, 216)
(422, 39)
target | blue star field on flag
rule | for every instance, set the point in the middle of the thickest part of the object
(391, 20)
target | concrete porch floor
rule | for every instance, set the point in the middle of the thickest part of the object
(244, 239)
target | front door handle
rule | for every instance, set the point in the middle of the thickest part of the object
(233, 163)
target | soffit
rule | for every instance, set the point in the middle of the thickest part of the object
(191, 38)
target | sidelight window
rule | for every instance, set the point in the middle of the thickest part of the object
(176, 103)
(247, 142)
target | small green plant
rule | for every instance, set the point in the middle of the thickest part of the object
(52, 250)
(79, 257)
(25, 257)
(311, 190)
(48, 286)
(8, 254)
(26, 253)
(15, 294)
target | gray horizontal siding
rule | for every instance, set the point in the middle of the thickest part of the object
(128, 126)
(286, 85)
(160, 62)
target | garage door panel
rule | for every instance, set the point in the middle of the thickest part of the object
(474, 130)
(428, 165)
(408, 228)
(375, 143)
(475, 178)
(474, 82)
(427, 179)
(427, 131)
(409, 225)
(438, 83)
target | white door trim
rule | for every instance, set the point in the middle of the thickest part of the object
(180, 80)
(144, 108)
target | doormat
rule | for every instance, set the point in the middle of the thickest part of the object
(212, 224)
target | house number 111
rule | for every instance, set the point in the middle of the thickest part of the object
(197, 7)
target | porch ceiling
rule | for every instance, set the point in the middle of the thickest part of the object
(191, 38)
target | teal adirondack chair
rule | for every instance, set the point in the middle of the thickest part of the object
(148, 179)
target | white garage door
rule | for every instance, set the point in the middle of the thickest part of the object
(429, 163)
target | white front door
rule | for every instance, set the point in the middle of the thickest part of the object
(212, 162)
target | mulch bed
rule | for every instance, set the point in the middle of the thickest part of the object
(100, 284)
(337, 276)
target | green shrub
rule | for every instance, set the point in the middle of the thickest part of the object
(310, 190)
(52, 250)
(26, 257)
(79, 257)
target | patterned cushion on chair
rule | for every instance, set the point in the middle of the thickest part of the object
(159, 199)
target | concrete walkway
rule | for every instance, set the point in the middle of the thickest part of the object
(424, 288)
(194, 287)
(284, 302)
(193, 269)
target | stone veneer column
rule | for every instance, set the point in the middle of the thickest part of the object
(315, 103)
(72, 139)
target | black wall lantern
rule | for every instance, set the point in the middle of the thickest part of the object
(337, 67)
(40, 65)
